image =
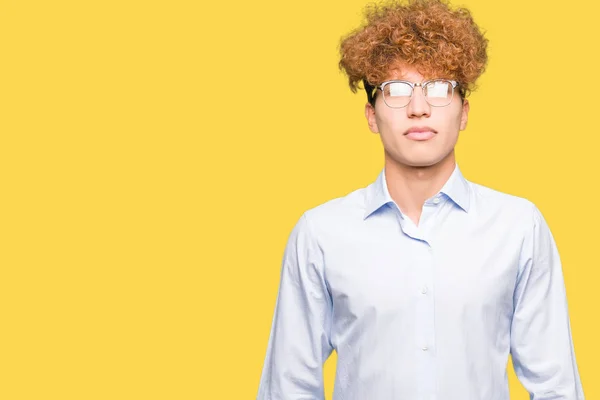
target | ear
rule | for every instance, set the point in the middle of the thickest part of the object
(465, 114)
(371, 120)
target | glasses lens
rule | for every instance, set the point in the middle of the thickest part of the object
(397, 94)
(439, 93)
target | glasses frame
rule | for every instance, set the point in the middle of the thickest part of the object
(413, 85)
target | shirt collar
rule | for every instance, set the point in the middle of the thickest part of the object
(456, 188)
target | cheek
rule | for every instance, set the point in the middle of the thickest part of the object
(391, 121)
(452, 121)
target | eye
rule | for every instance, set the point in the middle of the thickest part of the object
(398, 89)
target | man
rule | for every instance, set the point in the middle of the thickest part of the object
(423, 282)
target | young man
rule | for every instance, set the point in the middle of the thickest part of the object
(423, 282)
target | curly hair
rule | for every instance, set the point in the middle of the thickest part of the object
(426, 34)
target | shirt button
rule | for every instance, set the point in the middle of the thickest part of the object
(424, 348)
(424, 289)
(436, 200)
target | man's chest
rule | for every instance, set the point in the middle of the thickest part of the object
(393, 274)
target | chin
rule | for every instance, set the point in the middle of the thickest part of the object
(418, 161)
(423, 158)
(422, 164)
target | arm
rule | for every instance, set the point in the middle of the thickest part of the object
(541, 344)
(299, 340)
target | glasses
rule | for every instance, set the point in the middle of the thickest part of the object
(437, 92)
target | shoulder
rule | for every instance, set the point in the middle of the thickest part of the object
(490, 200)
(339, 207)
(338, 213)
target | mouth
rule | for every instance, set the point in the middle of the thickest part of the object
(420, 133)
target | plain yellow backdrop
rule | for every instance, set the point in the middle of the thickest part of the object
(154, 156)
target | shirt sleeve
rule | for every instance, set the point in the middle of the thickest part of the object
(542, 348)
(299, 341)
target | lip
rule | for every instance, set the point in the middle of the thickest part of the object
(420, 133)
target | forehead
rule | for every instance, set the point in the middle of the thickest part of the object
(409, 73)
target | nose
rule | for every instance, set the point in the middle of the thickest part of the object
(418, 106)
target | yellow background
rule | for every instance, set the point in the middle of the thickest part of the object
(154, 156)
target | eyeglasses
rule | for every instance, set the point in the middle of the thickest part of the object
(437, 92)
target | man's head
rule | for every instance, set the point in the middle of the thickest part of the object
(415, 42)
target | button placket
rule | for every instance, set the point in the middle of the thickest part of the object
(425, 320)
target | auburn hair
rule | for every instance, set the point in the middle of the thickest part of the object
(438, 41)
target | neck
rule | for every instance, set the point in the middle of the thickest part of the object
(410, 186)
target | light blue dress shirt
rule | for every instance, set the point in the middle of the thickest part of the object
(427, 312)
